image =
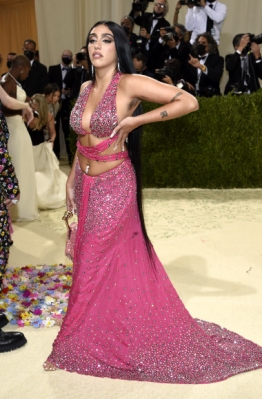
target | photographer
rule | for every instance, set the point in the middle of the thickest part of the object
(137, 43)
(172, 44)
(244, 66)
(205, 70)
(150, 23)
(78, 75)
(204, 16)
(140, 64)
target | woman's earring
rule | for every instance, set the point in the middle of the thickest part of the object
(92, 70)
(118, 66)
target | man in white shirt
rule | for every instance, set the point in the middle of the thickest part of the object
(207, 16)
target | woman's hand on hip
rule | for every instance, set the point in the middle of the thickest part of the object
(123, 129)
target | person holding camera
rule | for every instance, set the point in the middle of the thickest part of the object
(204, 16)
(140, 64)
(244, 66)
(172, 45)
(170, 72)
(205, 68)
(150, 24)
(137, 43)
(77, 75)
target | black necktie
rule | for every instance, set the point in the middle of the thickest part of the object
(64, 69)
(209, 22)
(202, 58)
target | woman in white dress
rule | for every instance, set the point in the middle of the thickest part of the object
(19, 145)
(50, 180)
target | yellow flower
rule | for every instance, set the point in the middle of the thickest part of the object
(25, 316)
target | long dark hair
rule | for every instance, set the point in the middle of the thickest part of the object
(134, 138)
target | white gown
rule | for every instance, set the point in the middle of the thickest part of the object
(50, 180)
(21, 151)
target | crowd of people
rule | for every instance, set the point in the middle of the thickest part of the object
(180, 55)
(125, 319)
(188, 54)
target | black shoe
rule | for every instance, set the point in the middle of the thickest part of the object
(10, 341)
(3, 320)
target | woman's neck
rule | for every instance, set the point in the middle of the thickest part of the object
(103, 77)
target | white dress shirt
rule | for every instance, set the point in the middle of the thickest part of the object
(196, 19)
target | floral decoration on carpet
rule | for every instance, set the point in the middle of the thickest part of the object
(36, 295)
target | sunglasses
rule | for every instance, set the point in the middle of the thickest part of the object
(160, 5)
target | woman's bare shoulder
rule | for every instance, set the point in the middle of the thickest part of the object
(85, 84)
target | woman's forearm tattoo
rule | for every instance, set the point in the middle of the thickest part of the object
(177, 95)
(164, 114)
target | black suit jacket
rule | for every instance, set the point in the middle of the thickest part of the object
(36, 80)
(55, 75)
(146, 21)
(208, 83)
(74, 78)
(162, 53)
(233, 66)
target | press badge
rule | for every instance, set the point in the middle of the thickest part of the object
(213, 31)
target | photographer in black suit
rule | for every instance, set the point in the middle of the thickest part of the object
(37, 78)
(137, 43)
(244, 66)
(172, 45)
(205, 68)
(150, 24)
(75, 77)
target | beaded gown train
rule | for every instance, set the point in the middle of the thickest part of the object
(125, 319)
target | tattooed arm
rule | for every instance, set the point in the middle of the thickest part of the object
(177, 102)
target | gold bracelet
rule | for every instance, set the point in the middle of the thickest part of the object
(204, 68)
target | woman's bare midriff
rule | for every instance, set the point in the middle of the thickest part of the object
(97, 167)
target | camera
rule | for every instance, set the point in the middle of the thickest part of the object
(165, 71)
(139, 6)
(169, 36)
(190, 2)
(182, 84)
(255, 38)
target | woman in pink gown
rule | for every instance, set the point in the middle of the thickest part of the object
(125, 319)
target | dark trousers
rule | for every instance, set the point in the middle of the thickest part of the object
(63, 117)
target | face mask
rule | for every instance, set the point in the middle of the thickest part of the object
(211, 1)
(29, 54)
(126, 29)
(66, 60)
(8, 64)
(201, 49)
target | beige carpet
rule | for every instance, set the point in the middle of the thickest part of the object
(210, 244)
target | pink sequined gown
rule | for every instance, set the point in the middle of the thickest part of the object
(124, 319)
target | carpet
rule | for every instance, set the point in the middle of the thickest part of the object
(36, 296)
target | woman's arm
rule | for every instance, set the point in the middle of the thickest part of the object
(177, 102)
(12, 103)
